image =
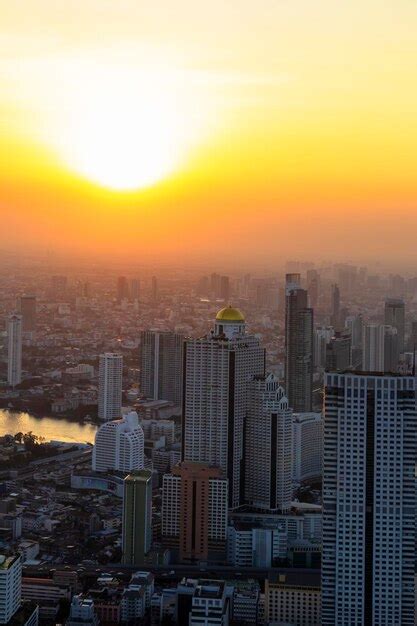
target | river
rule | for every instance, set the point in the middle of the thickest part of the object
(12, 422)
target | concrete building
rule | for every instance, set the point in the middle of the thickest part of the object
(119, 445)
(194, 510)
(322, 337)
(14, 353)
(110, 386)
(122, 289)
(338, 352)
(10, 586)
(268, 446)
(137, 517)
(394, 315)
(369, 486)
(380, 351)
(82, 612)
(210, 605)
(298, 346)
(249, 545)
(161, 362)
(217, 369)
(294, 598)
(307, 454)
(27, 309)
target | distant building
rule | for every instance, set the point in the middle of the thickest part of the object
(268, 446)
(135, 289)
(10, 586)
(27, 308)
(161, 363)
(194, 510)
(122, 289)
(298, 346)
(119, 445)
(137, 517)
(217, 369)
(338, 352)
(322, 337)
(380, 351)
(110, 386)
(394, 315)
(307, 454)
(14, 354)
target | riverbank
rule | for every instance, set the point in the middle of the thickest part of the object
(48, 427)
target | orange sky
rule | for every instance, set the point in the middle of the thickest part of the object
(244, 131)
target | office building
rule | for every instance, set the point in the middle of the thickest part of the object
(161, 361)
(154, 289)
(294, 598)
(394, 315)
(369, 496)
(268, 446)
(122, 289)
(14, 353)
(380, 352)
(110, 386)
(251, 545)
(137, 517)
(335, 314)
(210, 605)
(307, 456)
(313, 287)
(338, 352)
(119, 445)
(135, 289)
(10, 586)
(322, 337)
(194, 510)
(217, 369)
(298, 346)
(27, 309)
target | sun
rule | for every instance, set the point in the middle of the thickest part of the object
(126, 132)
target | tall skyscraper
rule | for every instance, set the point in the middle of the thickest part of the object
(122, 289)
(27, 308)
(217, 369)
(14, 353)
(10, 586)
(135, 289)
(224, 288)
(395, 316)
(119, 445)
(338, 352)
(161, 357)
(313, 287)
(369, 499)
(110, 386)
(380, 352)
(298, 346)
(137, 517)
(154, 289)
(268, 446)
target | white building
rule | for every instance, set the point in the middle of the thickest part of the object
(110, 386)
(217, 370)
(10, 586)
(119, 445)
(82, 612)
(369, 500)
(268, 446)
(254, 546)
(307, 456)
(14, 354)
(210, 605)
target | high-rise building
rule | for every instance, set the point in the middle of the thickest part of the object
(137, 517)
(322, 337)
(110, 386)
(369, 496)
(194, 510)
(27, 308)
(224, 288)
(119, 445)
(380, 352)
(313, 287)
(135, 289)
(14, 353)
(122, 289)
(335, 315)
(10, 586)
(161, 357)
(268, 446)
(338, 352)
(298, 346)
(217, 369)
(307, 455)
(395, 316)
(154, 289)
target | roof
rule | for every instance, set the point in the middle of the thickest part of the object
(230, 314)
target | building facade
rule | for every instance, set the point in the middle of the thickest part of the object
(307, 456)
(10, 586)
(14, 353)
(161, 359)
(110, 386)
(137, 517)
(119, 445)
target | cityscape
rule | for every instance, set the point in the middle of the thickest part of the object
(208, 313)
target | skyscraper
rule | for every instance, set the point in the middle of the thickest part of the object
(380, 351)
(217, 369)
(10, 586)
(395, 316)
(268, 446)
(369, 497)
(27, 308)
(335, 316)
(110, 386)
(338, 352)
(298, 346)
(135, 289)
(161, 357)
(137, 517)
(122, 289)
(119, 445)
(154, 289)
(14, 353)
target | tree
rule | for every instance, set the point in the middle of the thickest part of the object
(18, 437)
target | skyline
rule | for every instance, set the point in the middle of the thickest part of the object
(302, 138)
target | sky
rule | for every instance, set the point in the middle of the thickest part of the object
(221, 132)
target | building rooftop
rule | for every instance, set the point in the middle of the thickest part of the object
(230, 314)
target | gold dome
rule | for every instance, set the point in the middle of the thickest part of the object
(229, 314)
